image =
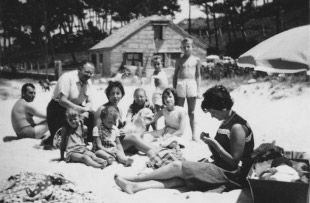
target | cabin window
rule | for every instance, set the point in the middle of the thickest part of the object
(158, 32)
(133, 59)
(94, 59)
(172, 57)
(100, 58)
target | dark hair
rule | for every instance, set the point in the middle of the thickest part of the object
(24, 87)
(156, 57)
(81, 64)
(114, 84)
(280, 161)
(187, 40)
(109, 110)
(173, 92)
(218, 98)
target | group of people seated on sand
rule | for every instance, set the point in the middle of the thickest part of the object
(70, 115)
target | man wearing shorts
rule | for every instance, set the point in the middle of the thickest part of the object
(23, 112)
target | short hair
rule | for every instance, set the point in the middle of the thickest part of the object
(72, 112)
(109, 110)
(156, 57)
(24, 87)
(218, 98)
(81, 64)
(173, 92)
(187, 40)
(139, 90)
(114, 84)
(281, 161)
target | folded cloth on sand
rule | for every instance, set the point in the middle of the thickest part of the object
(164, 156)
(34, 187)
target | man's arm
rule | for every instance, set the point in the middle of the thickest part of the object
(64, 102)
(89, 103)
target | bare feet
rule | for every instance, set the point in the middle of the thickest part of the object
(104, 164)
(125, 185)
(111, 160)
(129, 162)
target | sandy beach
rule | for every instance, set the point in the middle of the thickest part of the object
(275, 111)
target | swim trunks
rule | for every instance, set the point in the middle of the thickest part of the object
(27, 132)
(186, 88)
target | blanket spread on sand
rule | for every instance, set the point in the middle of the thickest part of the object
(41, 188)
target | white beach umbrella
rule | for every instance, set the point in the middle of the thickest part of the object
(287, 52)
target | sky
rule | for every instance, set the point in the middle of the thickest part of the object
(195, 12)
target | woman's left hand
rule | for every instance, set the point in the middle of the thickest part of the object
(209, 141)
(206, 139)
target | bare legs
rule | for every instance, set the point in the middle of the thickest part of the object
(133, 187)
(169, 176)
(136, 141)
(106, 156)
(120, 156)
(191, 105)
(89, 158)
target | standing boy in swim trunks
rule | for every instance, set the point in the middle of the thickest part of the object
(23, 112)
(159, 81)
(186, 81)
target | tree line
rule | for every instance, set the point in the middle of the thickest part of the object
(67, 25)
(41, 28)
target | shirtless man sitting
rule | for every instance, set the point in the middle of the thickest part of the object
(22, 115)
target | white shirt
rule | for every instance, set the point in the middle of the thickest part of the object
(70, 85)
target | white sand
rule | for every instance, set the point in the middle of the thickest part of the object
(275, 112)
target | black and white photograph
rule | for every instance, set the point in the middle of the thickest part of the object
(147, 101)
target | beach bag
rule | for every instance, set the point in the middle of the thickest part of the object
(164, 157)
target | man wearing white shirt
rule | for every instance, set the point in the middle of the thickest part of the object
(73, 89)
